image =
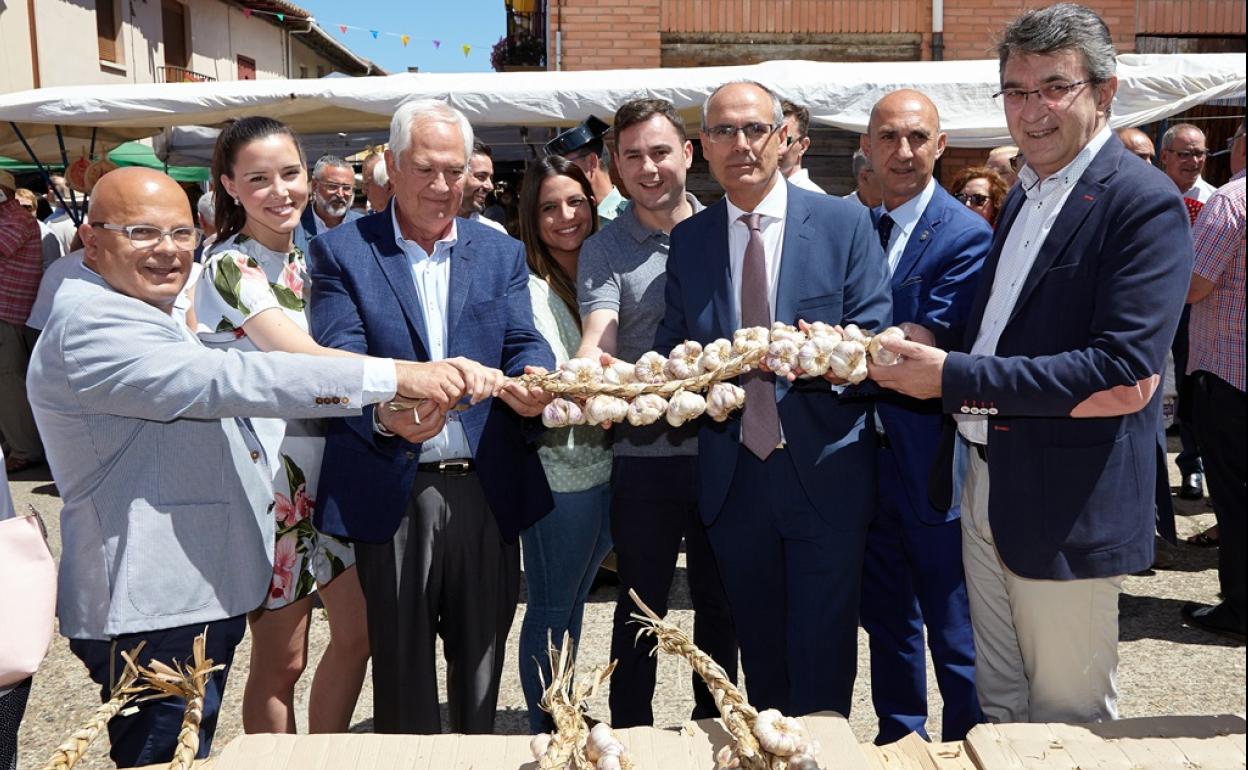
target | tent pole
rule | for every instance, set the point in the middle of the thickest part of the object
(43, 170)
(73, 212)
(91, 152)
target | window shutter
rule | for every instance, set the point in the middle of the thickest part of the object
(106, 29)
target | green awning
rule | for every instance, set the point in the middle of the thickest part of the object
(139, 154)
(20, 166)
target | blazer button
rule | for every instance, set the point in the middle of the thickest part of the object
(255, 456)
(345, 400)
(337, 400)
(319, 400)
(411, 455)
(966, 409)
(992, 410)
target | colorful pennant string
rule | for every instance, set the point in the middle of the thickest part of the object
(404, 38)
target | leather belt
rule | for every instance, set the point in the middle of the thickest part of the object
(448, 467)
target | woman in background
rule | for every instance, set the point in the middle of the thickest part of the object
(981, 189)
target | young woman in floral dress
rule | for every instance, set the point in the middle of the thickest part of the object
(252, 296)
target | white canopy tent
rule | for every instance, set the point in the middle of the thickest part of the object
(1151, 87)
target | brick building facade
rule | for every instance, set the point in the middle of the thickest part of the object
(590, 34)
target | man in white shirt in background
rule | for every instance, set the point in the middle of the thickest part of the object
(478, 184)
(797, 118)
(868, 191)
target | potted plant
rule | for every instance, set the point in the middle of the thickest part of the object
(520, 51)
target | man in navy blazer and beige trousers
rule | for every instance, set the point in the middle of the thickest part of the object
(435, 505)
(787, 489)
(1056, 400)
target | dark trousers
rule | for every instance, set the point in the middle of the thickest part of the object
(447, 573)
(1220, 427)
(1188, 459)
(12, 707)
(913, 576)
(653, 506)
(793, 577)
(149, 735)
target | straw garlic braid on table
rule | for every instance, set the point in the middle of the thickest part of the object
(574, 745)
(694, 379)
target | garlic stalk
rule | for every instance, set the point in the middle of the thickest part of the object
(651, 368)
(722, 399)
(601, 409)
(562, 412)
(683, 407)
(879, 354)
(646, 409)
(683, 362)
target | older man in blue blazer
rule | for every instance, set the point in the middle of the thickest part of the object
(787, 489)
(333, 191)
(167, 523)
(1057, 397)
(913, 577)
(435, 500)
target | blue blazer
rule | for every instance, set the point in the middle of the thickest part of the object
(307, 224)
(1075, 497)
(364, 300)
(831, 270)
(934, 286)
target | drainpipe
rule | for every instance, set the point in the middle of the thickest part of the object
(290, 47)
(938, 30)
(34, 44)
(558, 35)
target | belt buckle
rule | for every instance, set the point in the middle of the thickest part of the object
(454, 467)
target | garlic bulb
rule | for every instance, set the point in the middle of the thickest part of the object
(849, 361)
(815, 355)
(727, 759)
(646, 409)
(619, 373)
(820, 329)
(581, 371)
(803, 762)
(538, 745)
(716, 354)
(608, 762)
(683, 362)
(562, 412)
(782, 331)
(752, 340)
(781, 356)
(683, 407)
(881, 356)
(722, 399)
(852, 332)
(651, 367)
(603, 748)
(778, 734)
(601, 408)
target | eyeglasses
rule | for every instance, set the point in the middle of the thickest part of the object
(754, 132)
(149, 236)
(1190, 154)
(332, 188)
(1050, 93)
(974, 200)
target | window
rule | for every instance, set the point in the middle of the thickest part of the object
(106, 29)
(173, 24)
(320, 71)
(246, 68)
(303, 72)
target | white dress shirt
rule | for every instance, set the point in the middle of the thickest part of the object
(477, 217)
(1200, 190)
(773, 209)
(801, 178)
(432, 275)
(905, 217)
(1031, 227)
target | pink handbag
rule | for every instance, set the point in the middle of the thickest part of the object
(27, 597)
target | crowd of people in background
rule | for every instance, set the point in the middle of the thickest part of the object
(261, 394)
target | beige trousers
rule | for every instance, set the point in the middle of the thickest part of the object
(17, 424)
(1045, 650)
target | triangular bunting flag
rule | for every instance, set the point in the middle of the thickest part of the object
(342, 28)
(246, 13)
(281, 17)
(406, 39)
(437, 44)
(467, 49)
(374, 33)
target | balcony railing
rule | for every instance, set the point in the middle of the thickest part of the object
(794, 16)
(170, 74)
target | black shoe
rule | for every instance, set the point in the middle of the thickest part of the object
(1216, 620)
(1193, 487)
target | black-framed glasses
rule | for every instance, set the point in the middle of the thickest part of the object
(331, 188)
(1050, 93)
(977, 200)
(754, 132)
(1191, 154)
(150, 236)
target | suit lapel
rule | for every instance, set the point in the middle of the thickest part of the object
(920, 237)
(1074, 211)
(461, 280)
(720, 271)
(794, 255)
(1005, 220)
(394, 264)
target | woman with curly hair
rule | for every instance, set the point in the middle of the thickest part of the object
(981, 189)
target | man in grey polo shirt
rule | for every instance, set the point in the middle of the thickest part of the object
(621, 274)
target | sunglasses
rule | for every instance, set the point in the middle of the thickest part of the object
(975, 200)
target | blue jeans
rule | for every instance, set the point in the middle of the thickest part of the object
(150, 734)
(561, 557)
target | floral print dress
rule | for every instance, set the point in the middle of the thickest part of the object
(242, 278)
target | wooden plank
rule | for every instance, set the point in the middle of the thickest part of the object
(951, 756)
(1218, 753)
(1152, 752)
(990, 749)
(1088, 750)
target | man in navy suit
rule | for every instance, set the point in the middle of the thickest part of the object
(913, 576)
(786, 489)
(1057, 397)
(435, 501)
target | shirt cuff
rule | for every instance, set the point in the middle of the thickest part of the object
(381, 380)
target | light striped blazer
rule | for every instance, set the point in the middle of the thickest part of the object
(167, 494)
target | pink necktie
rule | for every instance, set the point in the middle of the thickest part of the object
(760, 422)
